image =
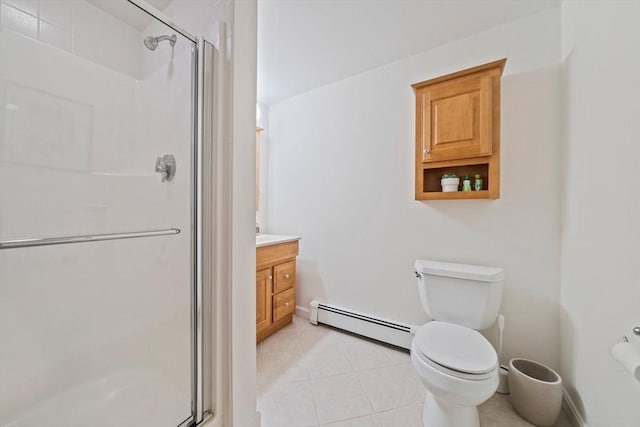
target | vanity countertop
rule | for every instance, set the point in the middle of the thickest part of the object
(273, 239)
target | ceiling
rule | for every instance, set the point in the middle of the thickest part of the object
(129, 14)
(305, 44)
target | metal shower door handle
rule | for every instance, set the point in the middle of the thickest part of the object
(166, 167)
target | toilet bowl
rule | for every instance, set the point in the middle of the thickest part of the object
(459, 369)
(456, 364)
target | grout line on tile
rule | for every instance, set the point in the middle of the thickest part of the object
(313, 399)
(364, 392)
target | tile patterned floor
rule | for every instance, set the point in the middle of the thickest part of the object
(318, 376)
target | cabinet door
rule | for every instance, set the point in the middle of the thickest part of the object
(284, 304)
(263, 299)
(285, 276)
(454, 119)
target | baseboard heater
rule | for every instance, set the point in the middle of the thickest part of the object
(389, 331)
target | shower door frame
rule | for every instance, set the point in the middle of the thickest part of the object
(201, 383)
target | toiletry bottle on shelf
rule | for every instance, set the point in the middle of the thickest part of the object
(466, 183)
(477, 185)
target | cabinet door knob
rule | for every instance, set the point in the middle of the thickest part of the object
(286, 275)
(270, 277)
(425, 151)
(286, 303)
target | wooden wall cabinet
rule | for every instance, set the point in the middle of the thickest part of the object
(275, 287)
(458, 130)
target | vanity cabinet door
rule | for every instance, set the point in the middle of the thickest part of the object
(264, 278)
(285, 276)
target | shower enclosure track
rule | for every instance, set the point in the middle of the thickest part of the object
(63, 240)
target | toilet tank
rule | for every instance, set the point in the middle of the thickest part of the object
(467, 295)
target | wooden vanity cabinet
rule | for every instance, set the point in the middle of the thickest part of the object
(275, 287)
(458, 131)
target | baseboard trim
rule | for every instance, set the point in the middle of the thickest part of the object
(302, 312)
(572, 412)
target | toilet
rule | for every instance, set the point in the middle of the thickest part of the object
(456, 364)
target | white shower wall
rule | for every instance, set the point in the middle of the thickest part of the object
(80, 131)
(76, 26)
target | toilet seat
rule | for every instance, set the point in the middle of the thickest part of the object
(456, 350)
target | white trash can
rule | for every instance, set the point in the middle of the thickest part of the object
(536, 391)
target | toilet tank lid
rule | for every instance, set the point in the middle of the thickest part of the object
(460, 271)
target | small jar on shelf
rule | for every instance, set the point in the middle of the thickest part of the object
(477, 183)
(466, 183)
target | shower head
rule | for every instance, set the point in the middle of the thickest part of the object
(151, 42)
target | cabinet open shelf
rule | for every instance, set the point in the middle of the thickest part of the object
(457, 195)
(432, 176)
(430, 188)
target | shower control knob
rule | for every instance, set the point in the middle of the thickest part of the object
(166, 167)
(636, 330)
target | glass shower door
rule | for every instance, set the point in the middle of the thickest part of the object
(96, 259)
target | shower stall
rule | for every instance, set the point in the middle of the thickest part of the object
(104, 293)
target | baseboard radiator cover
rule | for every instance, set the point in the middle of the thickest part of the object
(377, 328)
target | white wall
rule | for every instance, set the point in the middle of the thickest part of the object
(244, 54)
(77, 27)
(600, 270)
(342, 173)
(262, 215)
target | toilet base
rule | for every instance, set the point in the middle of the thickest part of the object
(438, 414)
